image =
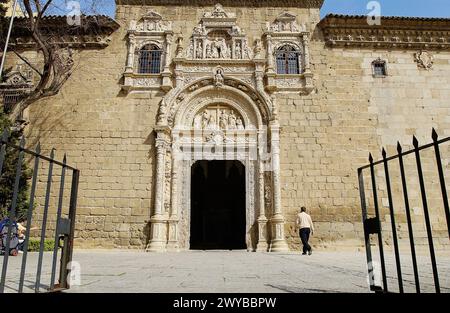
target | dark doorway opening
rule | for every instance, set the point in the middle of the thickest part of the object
(218, 205)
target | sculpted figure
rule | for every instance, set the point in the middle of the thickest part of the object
(232, 122)
(240, 124)
(199, 50)
(238, 51)
(212, 124)
(223, 122)
(218, 78)
(208, 51)
(205, 119)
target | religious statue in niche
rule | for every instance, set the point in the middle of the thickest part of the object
(219, 117)
(199, 50)
(219, 78)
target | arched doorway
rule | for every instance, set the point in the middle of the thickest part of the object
(218, 207)
(223, 122)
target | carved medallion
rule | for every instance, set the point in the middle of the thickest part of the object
(424, 60)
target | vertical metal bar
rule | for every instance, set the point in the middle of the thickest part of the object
(3, 149)
(427, 217)
(44, 221)
(58, 217)
(441, 179)
(29, 218)
(362, 195)
(377, 214)
(12, 214)
(394, 228)
(66, 255)
(408, 217)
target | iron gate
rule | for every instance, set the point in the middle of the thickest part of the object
(63, 220)
(373, 224)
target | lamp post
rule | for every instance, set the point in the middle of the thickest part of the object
(7, 38)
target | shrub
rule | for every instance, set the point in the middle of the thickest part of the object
(33, 245)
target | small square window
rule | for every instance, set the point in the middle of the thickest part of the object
(379, 68)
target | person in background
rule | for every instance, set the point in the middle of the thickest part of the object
(304, 222)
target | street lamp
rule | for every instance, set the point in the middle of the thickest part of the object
(7, 38)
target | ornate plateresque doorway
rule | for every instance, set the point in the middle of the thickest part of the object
(218, 111)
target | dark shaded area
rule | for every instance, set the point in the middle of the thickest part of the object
(218, 205)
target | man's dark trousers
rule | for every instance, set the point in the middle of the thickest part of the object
(304, 236)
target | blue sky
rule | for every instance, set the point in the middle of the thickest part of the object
(420, 8)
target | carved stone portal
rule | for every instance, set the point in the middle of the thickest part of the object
(211, 123)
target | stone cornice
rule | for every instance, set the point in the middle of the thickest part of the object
(229, 3)
(392, 33)
(93, 31)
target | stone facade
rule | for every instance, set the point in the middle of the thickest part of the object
(309, 131)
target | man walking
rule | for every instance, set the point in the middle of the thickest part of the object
(305, 223)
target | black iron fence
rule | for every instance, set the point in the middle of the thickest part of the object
(407, 178)
(48, 204)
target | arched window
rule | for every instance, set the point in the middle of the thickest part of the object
(288, 60)
(149, 60)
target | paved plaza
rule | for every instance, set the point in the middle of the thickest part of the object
(224, 272)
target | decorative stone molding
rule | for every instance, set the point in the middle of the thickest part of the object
(424, 60)
(394, 32)
(286, 31)
(95, 33)
(239, 3)
(150, 29)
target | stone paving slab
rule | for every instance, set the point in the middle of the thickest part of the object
(223, 272)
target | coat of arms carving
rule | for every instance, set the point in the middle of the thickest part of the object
(424, 60)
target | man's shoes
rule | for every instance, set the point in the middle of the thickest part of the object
(310, 252)
(304, 253)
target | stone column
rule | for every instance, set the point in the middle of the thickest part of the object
(278, 243)
(262, 219)
(306, 52)
(172, 244)
(270, 61)
(131, 52)
(167, 82)
(158, 224)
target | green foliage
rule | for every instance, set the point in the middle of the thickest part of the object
(33, 245)
(8, 175)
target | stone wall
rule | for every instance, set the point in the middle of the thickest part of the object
(326, 135)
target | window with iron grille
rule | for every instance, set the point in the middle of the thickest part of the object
(149, 60)
(379, 68)
(10, 99)
(288, 60)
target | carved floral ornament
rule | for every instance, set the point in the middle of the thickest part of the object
(424, 60)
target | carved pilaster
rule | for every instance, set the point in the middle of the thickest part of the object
(306, 53)
(166, 75)
(130, 57)
(158, 229)
(172, 243)
(278, 243)
(262, 219)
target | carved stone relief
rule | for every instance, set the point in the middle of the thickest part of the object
(219, 117)
(424, 60)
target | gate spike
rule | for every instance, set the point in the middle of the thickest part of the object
(399, 147)
(38, 148)
(370, 158)
(434, 135)
(52, 153)
(383, 152)
(65, 158)
(415, 142)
